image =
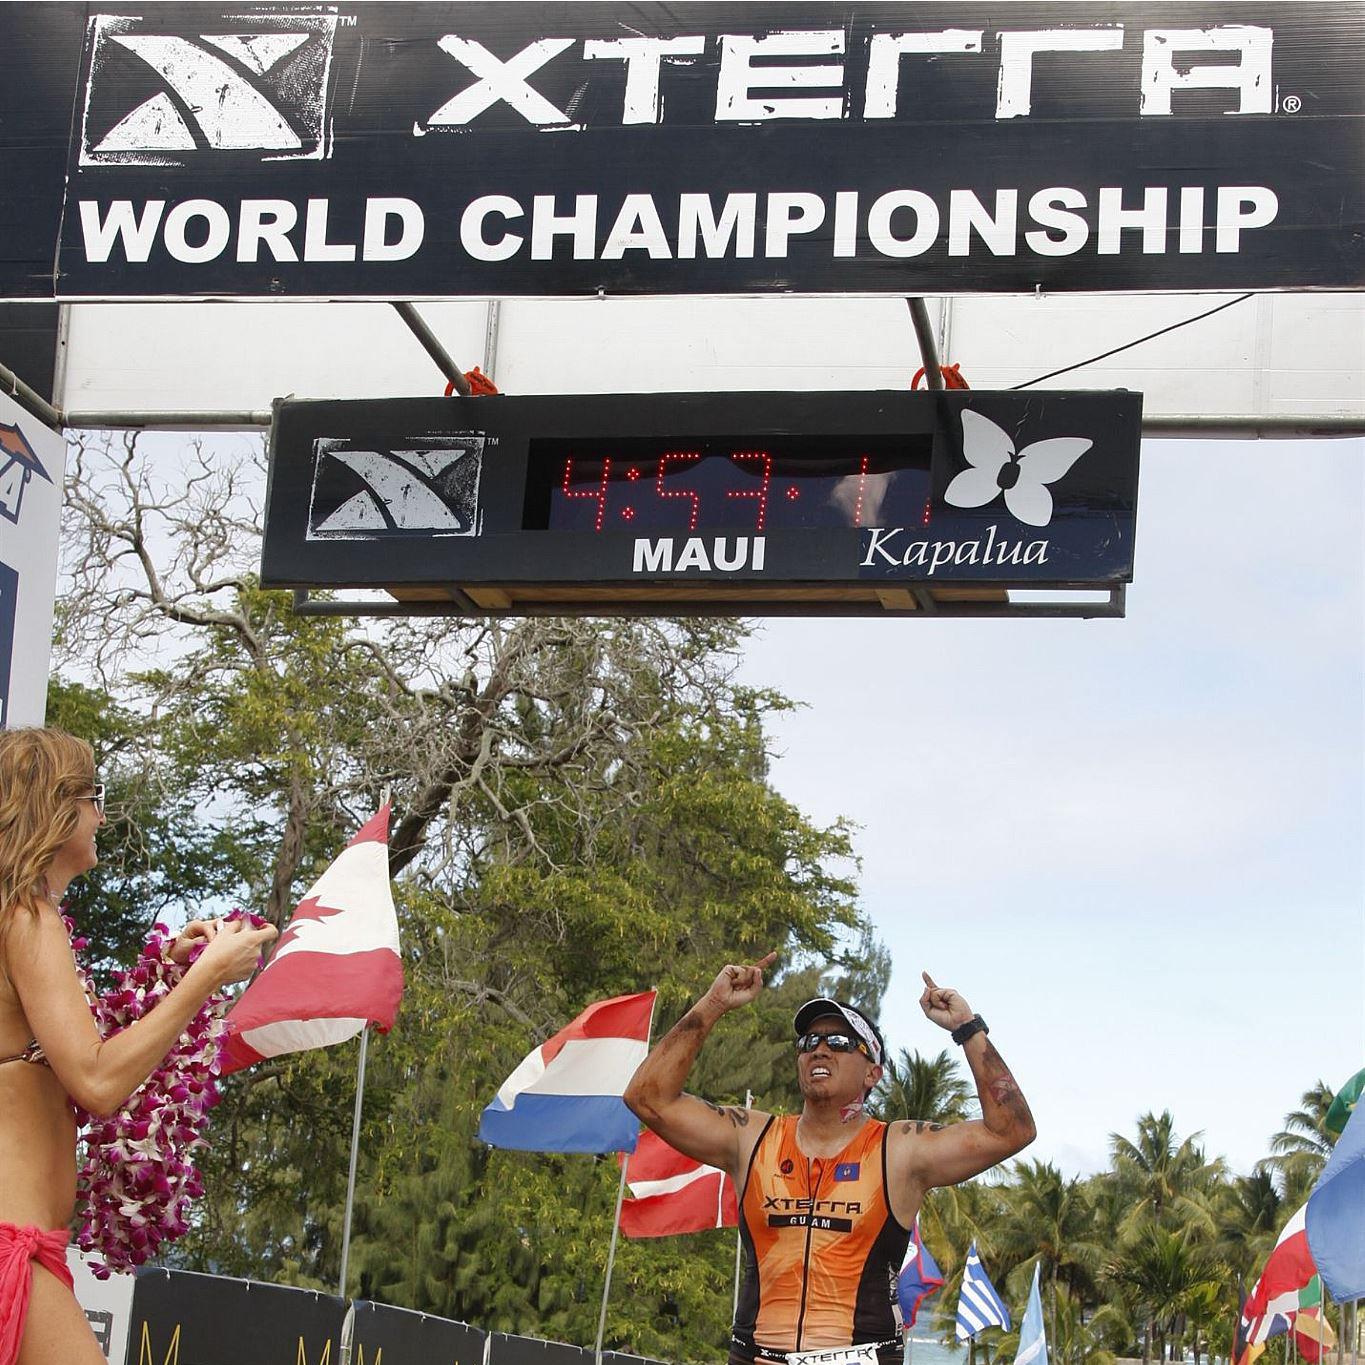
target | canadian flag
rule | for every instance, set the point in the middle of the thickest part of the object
(673, 1193)
(336, 967)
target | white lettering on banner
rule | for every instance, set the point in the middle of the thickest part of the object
(137, 234)
(643, 58)
(934, 554)
(754, 84)
(967, 214)
(739, 78)
(1261, 205)
(217, 231)
(637, 228)
(1051, 210)
(884, 62)
(472, 221)
(737, 220)
(1014, 95)
(899, 224)
(546, 225)
(500, 82)
(656, 556)
(411, 225)
(788, 215)
(198, 231)
(1150, 218)
(1250, 77)
(267, 222)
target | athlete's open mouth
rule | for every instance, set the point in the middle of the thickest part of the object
(817, 1072)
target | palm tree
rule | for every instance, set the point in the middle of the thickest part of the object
(932, 1089)
(1250, 1214)
(1302, 1147)
(1165, 1180)
(1166, 1278)
(1049, 1217)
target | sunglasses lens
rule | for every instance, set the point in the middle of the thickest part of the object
(836, 1042)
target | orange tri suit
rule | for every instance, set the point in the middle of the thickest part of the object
(822, 1250)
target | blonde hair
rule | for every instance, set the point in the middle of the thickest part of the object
(44, 774)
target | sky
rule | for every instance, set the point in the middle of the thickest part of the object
(1134, 846)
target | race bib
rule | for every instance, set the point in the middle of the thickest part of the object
(835, 1355)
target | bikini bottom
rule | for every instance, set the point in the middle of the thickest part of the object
(19, 1248)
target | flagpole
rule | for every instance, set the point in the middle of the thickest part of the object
(611, 1261)
(616, 1221)
(385, 796)
(355, 1155)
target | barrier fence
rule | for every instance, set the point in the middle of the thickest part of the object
(177, 1317)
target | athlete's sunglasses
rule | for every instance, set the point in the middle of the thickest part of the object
(836, 1042)
(97, 796)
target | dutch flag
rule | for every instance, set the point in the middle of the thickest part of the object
(566, 1095)
(978, 1305)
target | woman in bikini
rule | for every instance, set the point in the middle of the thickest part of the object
(50, 1052)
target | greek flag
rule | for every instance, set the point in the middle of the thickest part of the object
(978, 1305)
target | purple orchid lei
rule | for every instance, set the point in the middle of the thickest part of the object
(138, 1181)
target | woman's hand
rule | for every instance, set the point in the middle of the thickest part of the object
(234, 952)
(196, 931)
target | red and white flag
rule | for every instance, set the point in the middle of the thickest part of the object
(1287, 1284)
(336, 967)
(673, 1193)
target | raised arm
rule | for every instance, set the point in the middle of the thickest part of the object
(926, 1154)
(99, 1074)
(718, 1135)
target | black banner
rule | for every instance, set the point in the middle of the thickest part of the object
(448, 150)
(401, 1336)
(209, 1320)
(576, 502)
(28, 343)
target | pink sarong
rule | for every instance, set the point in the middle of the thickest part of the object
(19, 1248)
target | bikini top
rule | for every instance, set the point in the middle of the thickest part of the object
(32, 1053)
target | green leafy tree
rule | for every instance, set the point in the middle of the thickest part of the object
(1166, 1179)
(581, 809)
(932, 1089)
(1301, 1148)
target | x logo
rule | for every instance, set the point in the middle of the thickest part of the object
(499, 80)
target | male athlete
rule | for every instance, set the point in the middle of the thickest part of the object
(826, 1197)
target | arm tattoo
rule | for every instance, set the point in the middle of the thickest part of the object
(739, 1117)
(1001, 1086)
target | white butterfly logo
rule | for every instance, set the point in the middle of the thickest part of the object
(1023, 478)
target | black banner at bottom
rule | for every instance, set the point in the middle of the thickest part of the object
(398, 1336)
(180, 1318)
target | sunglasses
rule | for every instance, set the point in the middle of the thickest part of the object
(97, 796)
(836, 1042)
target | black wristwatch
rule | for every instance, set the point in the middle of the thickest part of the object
(976, 1024)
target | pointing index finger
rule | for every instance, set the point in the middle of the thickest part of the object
(929, 981)
(767, 961)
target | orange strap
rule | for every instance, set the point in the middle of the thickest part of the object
(479, 383)
(952, 377)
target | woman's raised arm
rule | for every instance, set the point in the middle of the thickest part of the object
(99, 1074)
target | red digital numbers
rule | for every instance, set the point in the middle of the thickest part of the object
(679, 492)
(850, 494)
(862, 488)
(761, 492)
(600, 492)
